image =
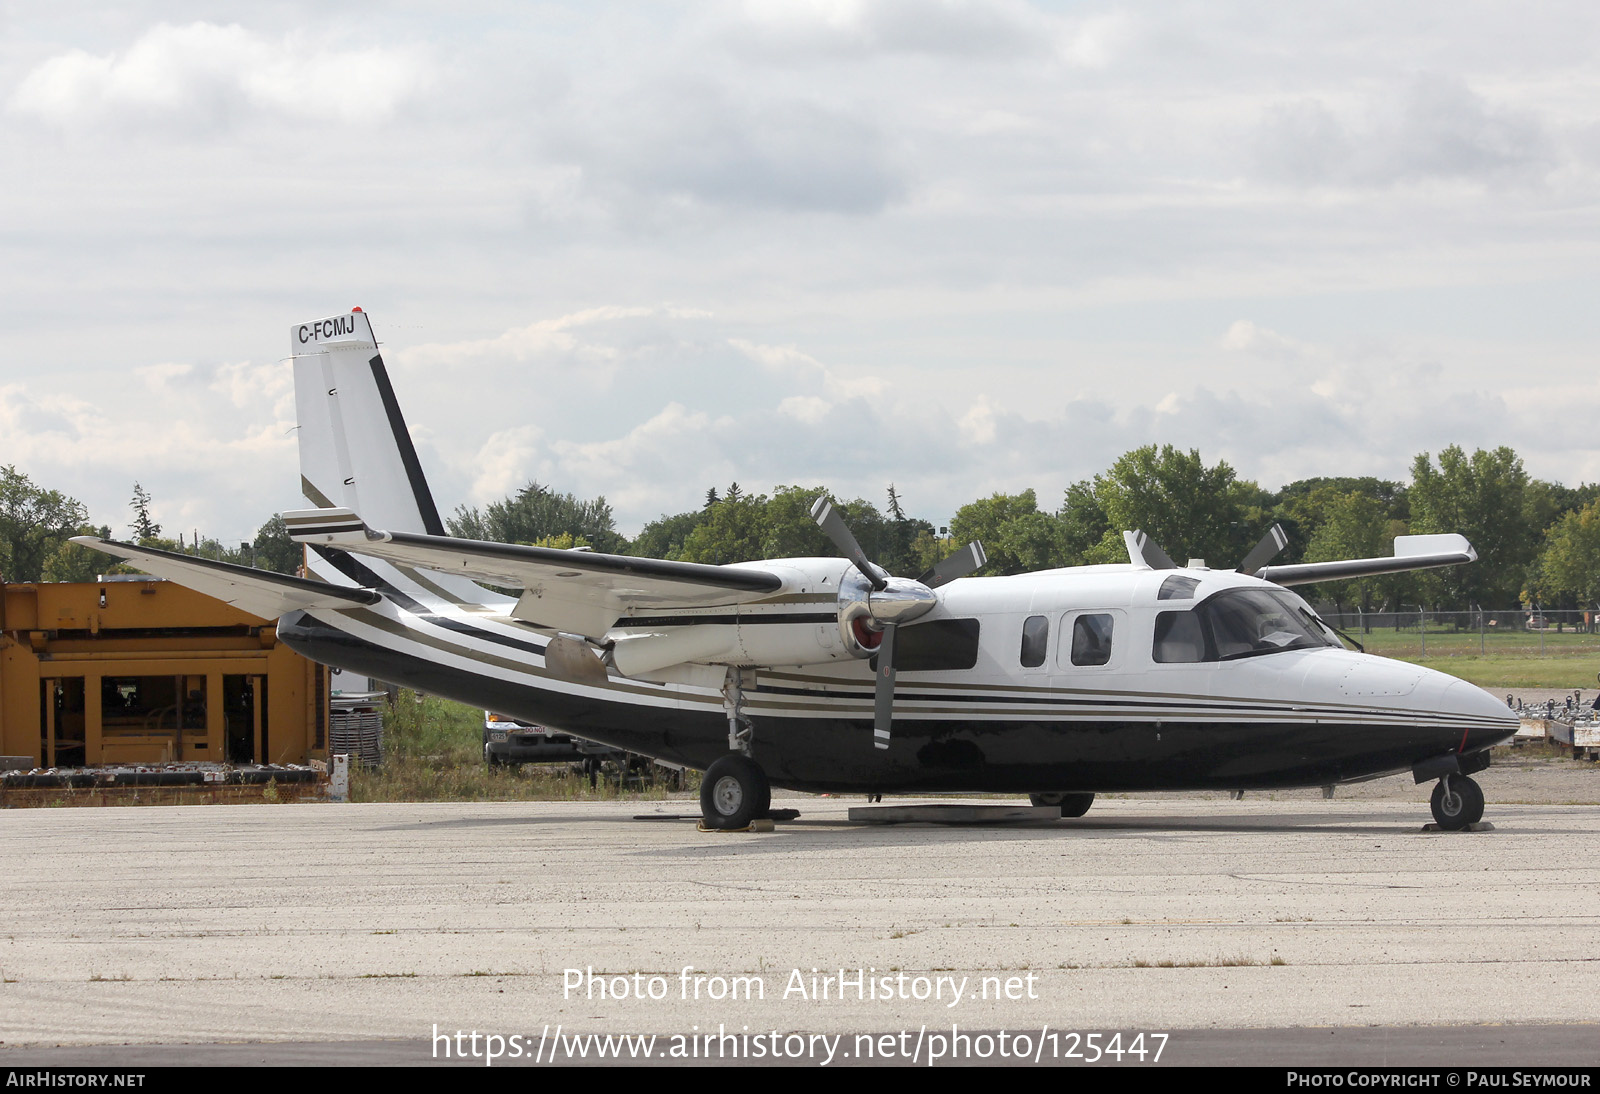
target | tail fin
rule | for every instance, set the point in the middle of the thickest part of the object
(355, 450)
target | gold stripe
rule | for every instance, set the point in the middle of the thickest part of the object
(401, 630)
(315, 495)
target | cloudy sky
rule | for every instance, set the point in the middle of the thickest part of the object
(637, 250)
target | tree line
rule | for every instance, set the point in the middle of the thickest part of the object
(1537, 542)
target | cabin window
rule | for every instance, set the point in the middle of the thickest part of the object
(1091, 640)
(1035, 637)
(940, 645)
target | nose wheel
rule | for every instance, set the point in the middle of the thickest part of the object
(1457, 802)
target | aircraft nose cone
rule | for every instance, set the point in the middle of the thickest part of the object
(1476, 715)
(1469, 699)
(1492, 722)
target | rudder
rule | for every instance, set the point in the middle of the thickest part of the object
(355, 449)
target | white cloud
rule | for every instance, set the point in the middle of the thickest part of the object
(790, 363)
(951, 28)
(962, 246)
(507, 461)
(1431, 126)
(978, 423)
(1243, 336)
(805, 408)
(204, 71)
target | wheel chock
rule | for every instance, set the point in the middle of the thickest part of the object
(760, 824)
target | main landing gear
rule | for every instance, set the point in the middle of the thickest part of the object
(1072, 805)
(734, 791)
(1457, 802)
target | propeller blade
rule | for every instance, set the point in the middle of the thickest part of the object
(963, 562)
(834, 527)
(1143, 551)
(1264, 552)
(883, 694)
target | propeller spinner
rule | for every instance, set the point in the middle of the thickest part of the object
(872, 605)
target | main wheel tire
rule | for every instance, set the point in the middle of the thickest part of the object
(1457, 802)
(1071, 805)
(734, 792)
(1076, 805)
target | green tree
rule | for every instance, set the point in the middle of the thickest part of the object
(1571, 560)
(274, 550)
(70, 562)
(143, 527)
(1351, 525)
(34, 523)
(735, 530)
(1483, 497)
(537, 512)
(1015, 535)
(1084, 525)
(791, 532)
(1189, 509)
(1302, 506)
(898, 545)
(664, 536)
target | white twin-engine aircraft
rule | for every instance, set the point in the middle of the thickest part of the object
(826, 674)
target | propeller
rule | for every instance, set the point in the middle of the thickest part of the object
(834, 527)
(960, 564)
(1264, 552)
(873, 607)
(1142, 550)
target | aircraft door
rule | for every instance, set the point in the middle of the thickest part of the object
(1092, 641)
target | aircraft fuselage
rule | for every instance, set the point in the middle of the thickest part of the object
(1102, 679)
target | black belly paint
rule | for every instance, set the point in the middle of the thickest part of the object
(928, 755)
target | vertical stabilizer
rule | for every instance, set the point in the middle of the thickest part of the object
(355, 450)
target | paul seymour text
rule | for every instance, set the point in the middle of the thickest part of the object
(817, 986)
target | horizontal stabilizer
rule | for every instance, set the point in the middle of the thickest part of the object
(1410, 553)
(260, 592)
(336, 526)
(579, 592)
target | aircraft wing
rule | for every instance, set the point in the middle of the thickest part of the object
(580, 592)
(259, 592)
(1410, 553)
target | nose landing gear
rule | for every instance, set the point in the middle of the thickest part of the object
(1457, 802)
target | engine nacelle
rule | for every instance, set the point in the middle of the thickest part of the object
(641, 653)
(828, 612)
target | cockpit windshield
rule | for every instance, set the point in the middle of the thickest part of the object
(1237, 623)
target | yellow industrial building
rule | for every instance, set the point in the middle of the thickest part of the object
(136, 670)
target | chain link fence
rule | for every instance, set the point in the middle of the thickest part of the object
(1421, 631)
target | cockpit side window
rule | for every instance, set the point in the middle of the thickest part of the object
(1179, 639)
(1091, 640)
(1236, 623)
(1035, 639)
